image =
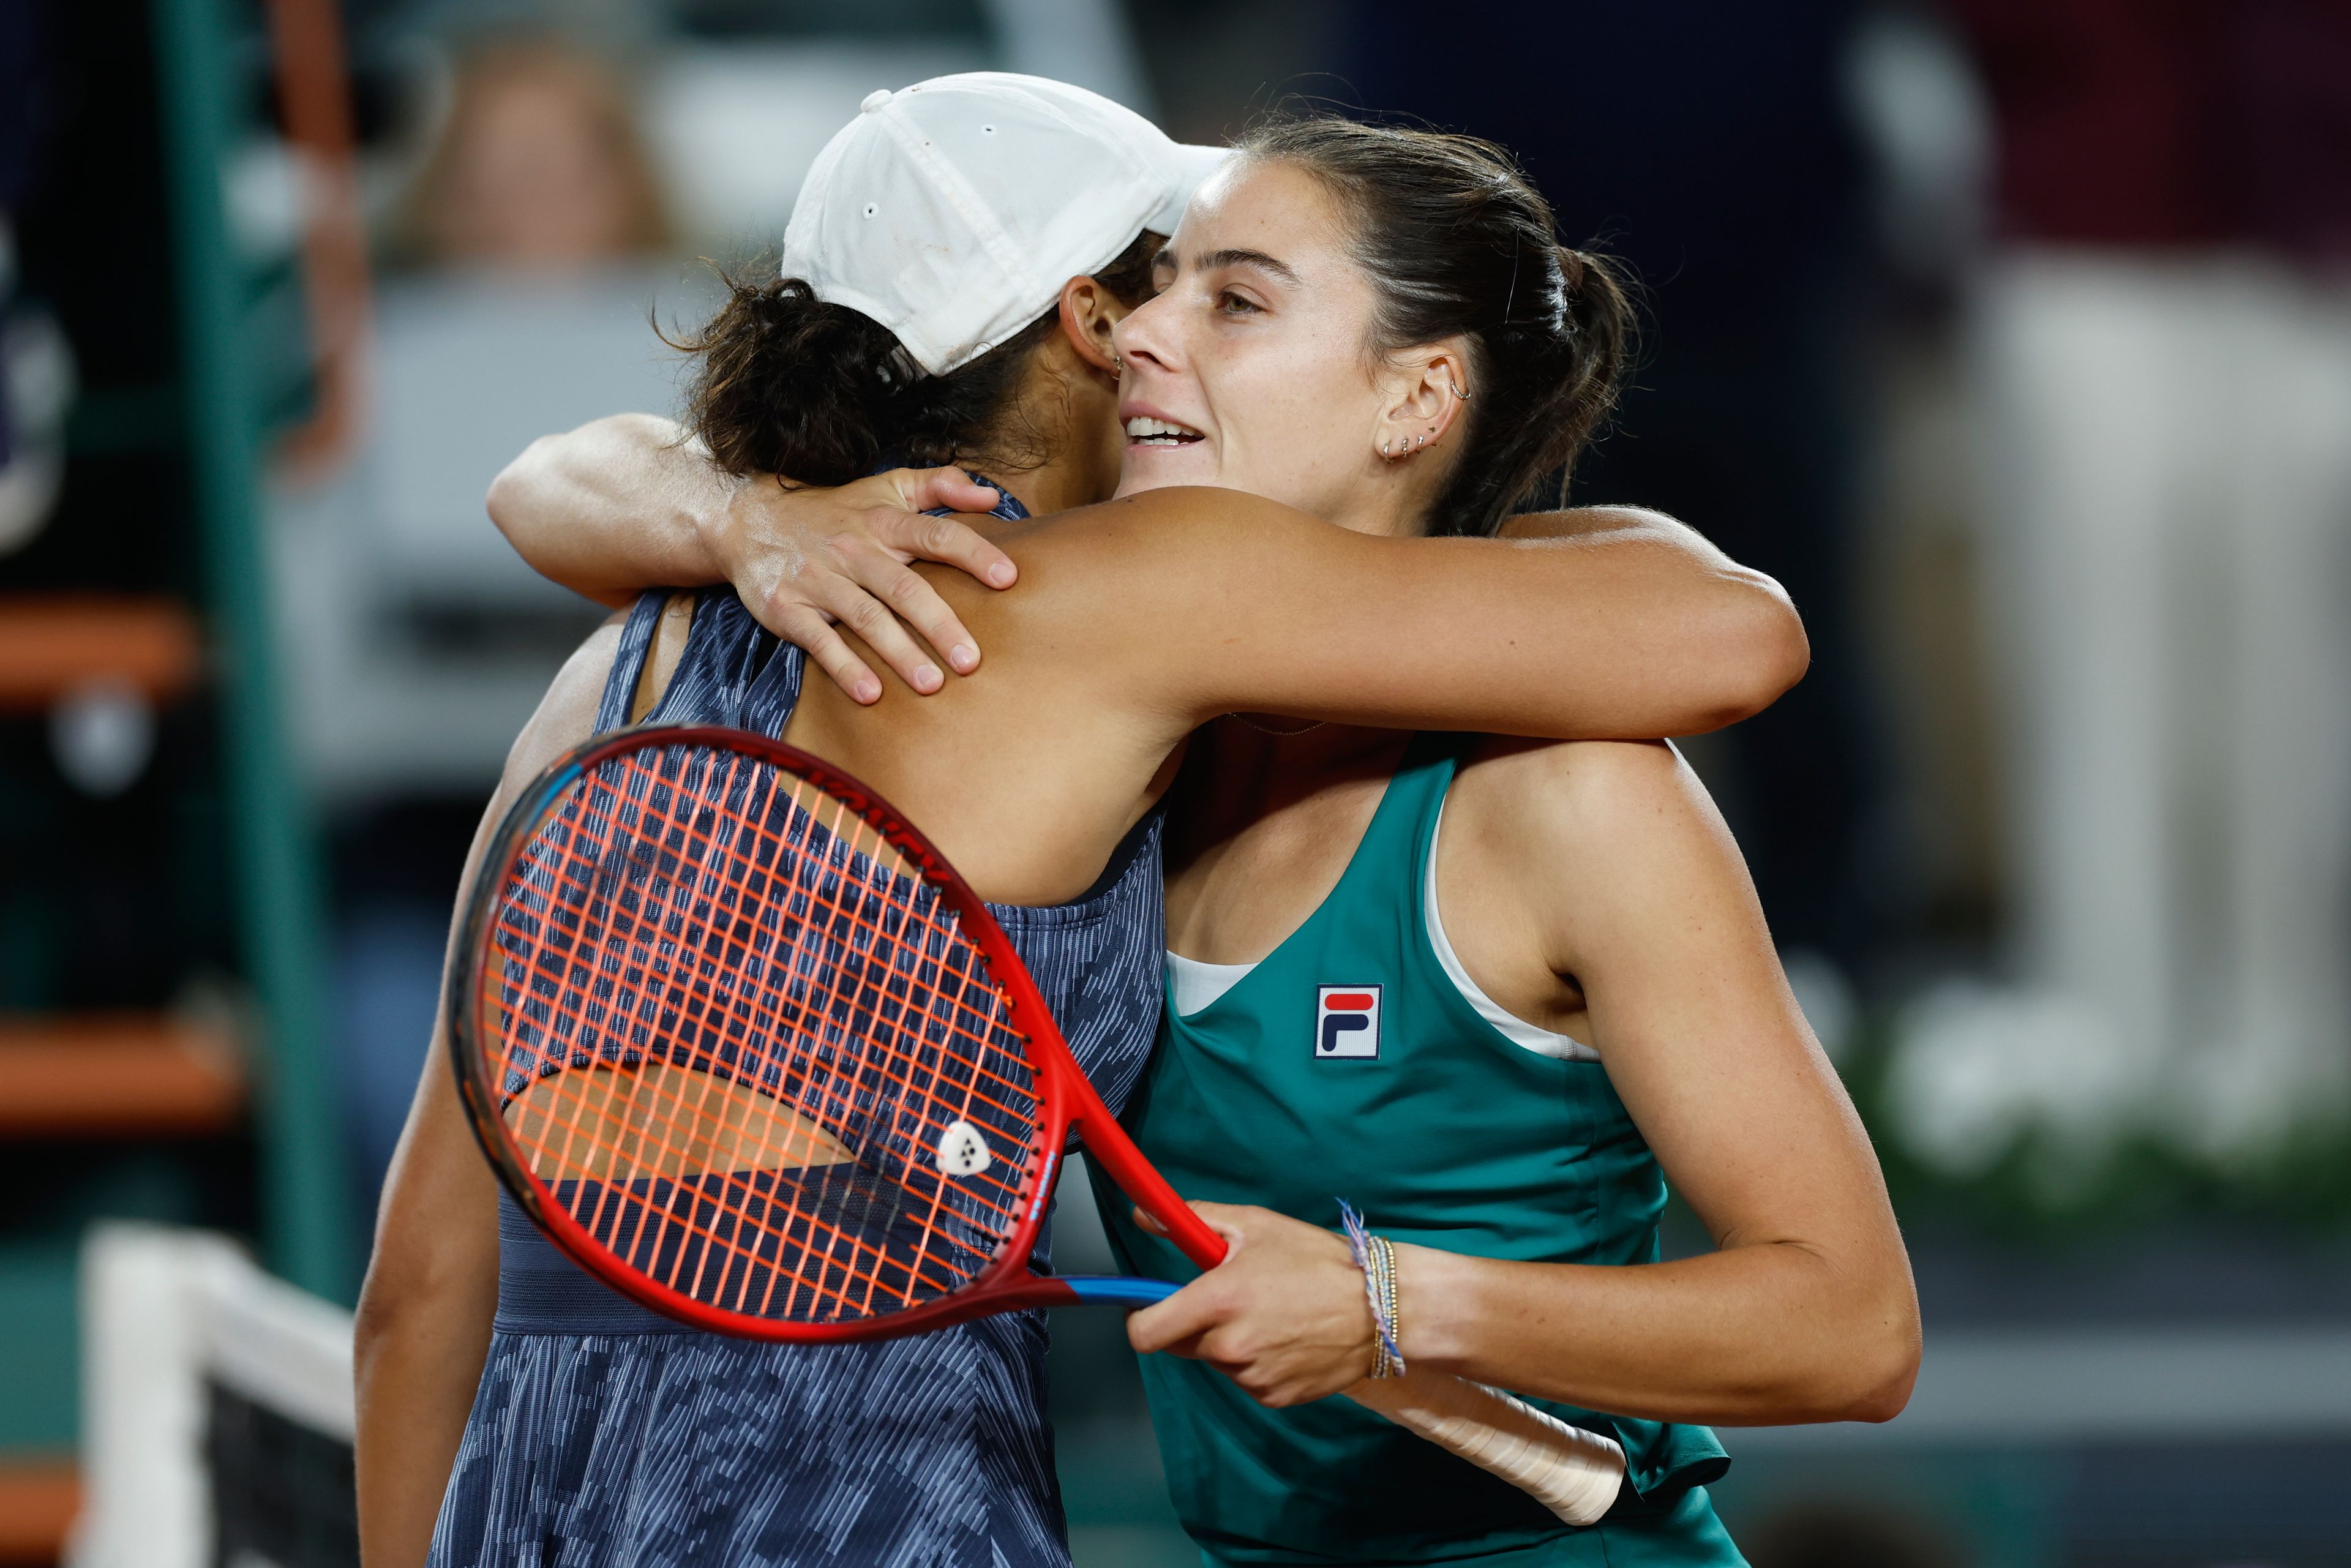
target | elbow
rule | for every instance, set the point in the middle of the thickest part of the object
(1883, 1379)
(1872, 1365)
(1858, 1362)
(1762, 648)
(389, 1298)
(419, 1292)
(510, 493)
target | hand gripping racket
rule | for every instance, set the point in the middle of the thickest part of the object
(746, 1048)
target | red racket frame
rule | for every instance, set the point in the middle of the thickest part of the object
(1065, 1099)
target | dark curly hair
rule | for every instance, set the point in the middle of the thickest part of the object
(1457, 243)
(788, 384)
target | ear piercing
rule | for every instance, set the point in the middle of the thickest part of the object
(1391, 451)
(1452, 382)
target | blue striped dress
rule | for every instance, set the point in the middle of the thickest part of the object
(605, 1435)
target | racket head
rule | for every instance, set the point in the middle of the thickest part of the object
(726, 1024)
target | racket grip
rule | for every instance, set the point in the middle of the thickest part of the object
(1574, 1473)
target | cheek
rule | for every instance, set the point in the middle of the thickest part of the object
(1304, 411)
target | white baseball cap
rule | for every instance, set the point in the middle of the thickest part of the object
(952, 211)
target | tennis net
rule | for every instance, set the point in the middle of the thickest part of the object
(217, 1410)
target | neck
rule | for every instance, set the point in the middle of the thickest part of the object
(1054, 486)
(1075, 408)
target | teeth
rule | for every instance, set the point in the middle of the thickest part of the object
(1142, 428)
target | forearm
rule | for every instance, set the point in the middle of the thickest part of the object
(1611, 625)
(618, 504)
(1769, 1335)
(1732, 641)
(416, 1378)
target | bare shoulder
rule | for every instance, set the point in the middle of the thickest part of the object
(1119, 576)
(1580, 784)
(1172, 523)
(566, 716)
(1591, 812)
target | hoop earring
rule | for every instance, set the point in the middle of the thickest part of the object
(1453, 385)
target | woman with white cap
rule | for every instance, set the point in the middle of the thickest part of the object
(598, 1433)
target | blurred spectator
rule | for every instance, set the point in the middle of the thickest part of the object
(2166, 355)
(1707, 141)
(539, 167)
(539, 233)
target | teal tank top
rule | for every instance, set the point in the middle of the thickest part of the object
(1348, 1065)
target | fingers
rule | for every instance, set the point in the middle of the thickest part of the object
(916, 601)
(1169, 1324)
(949, 540)
(848, 602)
(1229, 1221)
(806, 626)
(927, 490)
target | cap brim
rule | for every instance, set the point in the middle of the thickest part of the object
(1191, 166)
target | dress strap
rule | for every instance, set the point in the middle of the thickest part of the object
(629, 663)
(775, 692)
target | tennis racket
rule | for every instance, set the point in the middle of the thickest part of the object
(746, 1049)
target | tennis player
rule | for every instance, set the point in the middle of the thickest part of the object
(585, 1431)
(1489, 991)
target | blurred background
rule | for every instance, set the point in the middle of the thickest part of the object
(2012, 336)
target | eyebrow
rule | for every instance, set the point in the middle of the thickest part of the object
(1217, 258)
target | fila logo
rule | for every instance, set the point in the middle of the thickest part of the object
(1347, 1023)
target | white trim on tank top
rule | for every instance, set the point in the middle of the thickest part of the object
(1195, 983)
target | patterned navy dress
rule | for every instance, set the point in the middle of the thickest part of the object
(605, 1435)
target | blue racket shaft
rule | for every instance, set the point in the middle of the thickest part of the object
(1114, 1289)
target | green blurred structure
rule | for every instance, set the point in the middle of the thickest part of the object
(191, 357)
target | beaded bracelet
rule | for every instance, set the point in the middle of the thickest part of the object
(1376, 1256)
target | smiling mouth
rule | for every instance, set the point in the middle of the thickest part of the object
(1142, 432)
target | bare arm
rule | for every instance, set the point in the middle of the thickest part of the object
(432, 1282)
(1805, 1310)
(631, 502)
(1610, 624)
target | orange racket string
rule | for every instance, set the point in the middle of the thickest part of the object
(709, 886)
(714, 845)
(953, 937)
(616, 1187)
(949, 938)
(702, 879)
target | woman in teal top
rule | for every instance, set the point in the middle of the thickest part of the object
(1589, 896)
(1446, 1132)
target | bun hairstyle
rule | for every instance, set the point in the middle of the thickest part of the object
(823, 394)
(1458, 244)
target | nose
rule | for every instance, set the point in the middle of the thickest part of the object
(1145, 335)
